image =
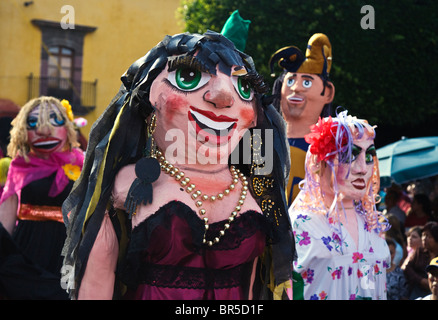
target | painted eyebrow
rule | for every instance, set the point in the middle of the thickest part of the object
(186, 61)
(294, 75)
(371, 149)
(239, 71)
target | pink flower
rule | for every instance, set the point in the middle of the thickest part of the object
(357, 257)
(376, 269)
(305, 239)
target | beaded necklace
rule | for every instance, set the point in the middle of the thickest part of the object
(198, 196)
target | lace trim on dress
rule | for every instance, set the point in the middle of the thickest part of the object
(244, 226)
(193, 278)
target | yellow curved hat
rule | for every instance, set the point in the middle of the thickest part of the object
(318, 55)
(318, 59)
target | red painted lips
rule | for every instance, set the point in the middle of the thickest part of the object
(46, 144)
(212, 126)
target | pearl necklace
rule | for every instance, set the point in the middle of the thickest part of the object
(198, 196)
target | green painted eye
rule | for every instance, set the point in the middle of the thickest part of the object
(355, 152)
(243, 88)
(370, 153)
(188, 79)
(368, 158)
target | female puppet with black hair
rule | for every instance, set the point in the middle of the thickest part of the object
(162, 209)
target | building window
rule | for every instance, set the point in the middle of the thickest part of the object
(60, 72)
(61, 66)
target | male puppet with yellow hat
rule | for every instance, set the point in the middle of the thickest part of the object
(303, 92)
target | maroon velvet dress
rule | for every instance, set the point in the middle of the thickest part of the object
(167, 260)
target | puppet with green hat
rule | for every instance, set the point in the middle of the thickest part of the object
(236, 30)
(302, 93)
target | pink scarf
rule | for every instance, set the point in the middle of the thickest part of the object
(21, 173)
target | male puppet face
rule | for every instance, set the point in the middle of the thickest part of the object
(302, 98)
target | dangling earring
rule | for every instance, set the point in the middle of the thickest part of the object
(151, 148)
(257, 160)
(147, 170)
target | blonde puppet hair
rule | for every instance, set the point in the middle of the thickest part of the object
(19, 145)
(311, 196)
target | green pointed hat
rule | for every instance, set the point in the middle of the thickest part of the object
(236, 30)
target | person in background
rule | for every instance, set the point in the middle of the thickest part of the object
(397, 236)
(395, 278)
(419, 214)
(433, 196)
(413, 238)
(302, 93)
(432, 279)
(392, 197)
(415, 269)
(404, 198)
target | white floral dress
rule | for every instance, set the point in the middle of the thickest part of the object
(332, 269)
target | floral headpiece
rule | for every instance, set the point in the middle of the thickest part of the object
(68, 109)
(324, 139)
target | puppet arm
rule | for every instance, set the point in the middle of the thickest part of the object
(8, 213)
(99, 276)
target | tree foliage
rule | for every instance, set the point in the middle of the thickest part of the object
(386, 75)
